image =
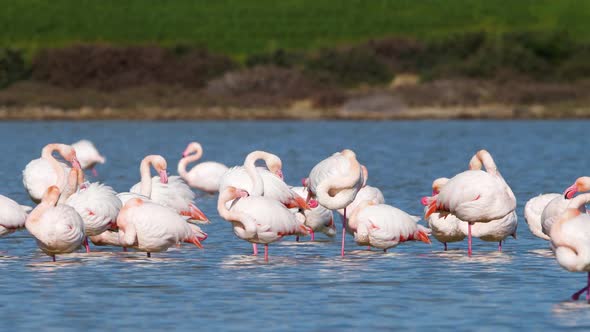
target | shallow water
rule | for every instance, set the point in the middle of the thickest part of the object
(305, 285)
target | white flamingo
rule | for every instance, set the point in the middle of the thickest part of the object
(335, 182)
(98, 205)
(570, 239)
(172, 191)
(88, 155)
(12, 216)
(58, 229)
(41, 173)
(474, 195)
(150, 227)
(384, 226)
(258, 219)
(204, 176)
(317, 218)
(533, 211)
(445, 228)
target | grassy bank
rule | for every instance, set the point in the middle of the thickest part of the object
(241, 28)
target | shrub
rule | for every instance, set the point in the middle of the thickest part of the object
(12, 67)
(349, 67)
(279, 58)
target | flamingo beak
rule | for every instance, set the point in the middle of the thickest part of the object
(197, 214)
(241, 193)
(304, 182)
(570, 191)
(76, 163)
(163, 176)
(425, 200)
(279, 173)
(313, 203)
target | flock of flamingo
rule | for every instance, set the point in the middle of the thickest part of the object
(160, 212)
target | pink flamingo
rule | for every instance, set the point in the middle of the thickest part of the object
(335, 182)
(205, 176)
(474, 195)
(570, 239)
(41, 173)
(58, 228)
(258, 219)
(12, 216)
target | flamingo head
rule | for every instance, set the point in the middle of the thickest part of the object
(190, 148)
(69, 154)
(582, 184)
(305, 182)
(438, 184)
(160, 166)
(234, 192)
(275, 165)
(425, 200)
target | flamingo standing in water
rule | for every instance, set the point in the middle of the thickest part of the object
(533, 211)
(88, 155)
(58, 228)
(317, 218)
(205, 176)
(41, 173)
(150, 227)
(474, 195)
(384, 226)
(445, 228)
(97, 204)
(262, 182)
(335, 182)
(570, 239)
(258, 219)
(12, 215)
(172, 191)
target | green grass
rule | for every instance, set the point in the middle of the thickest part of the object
(242, 27)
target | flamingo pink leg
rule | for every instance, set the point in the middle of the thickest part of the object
(500, 246)
(266, 252)
(445, 246)
(149, 254)
(297, 238)
(86, 244)
(254, 249)
(312, 235)
(343, 232)
(369, 248)
(124, 249)
(53, 256)
(576, 295)
(469, 239)
(94, 172)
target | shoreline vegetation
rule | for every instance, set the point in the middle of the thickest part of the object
(530, 60)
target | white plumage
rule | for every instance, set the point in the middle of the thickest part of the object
(87, 154)
(98, 206)
(554, 210)
(318, 219)
(12, 216)
(533, 211)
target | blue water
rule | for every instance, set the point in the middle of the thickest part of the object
(305, 286)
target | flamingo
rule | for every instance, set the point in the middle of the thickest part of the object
(335, 182)
(258, 219)
(262, 182)
(58, 228)
(445, 228)
(366, 193)
(318, 218)
(205, 176)
(384, 226)
(555, 209)
(570, 240)
(41, 173)
(171, 191)
(150, 227)
(533, 211)
(474, 195)
(98, 205)
(12, 215)
(88, 155)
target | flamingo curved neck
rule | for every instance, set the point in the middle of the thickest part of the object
(235, 217)
(48, 201)
(47, 154)
(339, 185)
(72, 185)
(483, 158)
(196, 152)
(145, 186)
(250, 167)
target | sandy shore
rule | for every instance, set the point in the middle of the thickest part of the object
(299, 111)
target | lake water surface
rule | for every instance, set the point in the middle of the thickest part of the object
(305, 286)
